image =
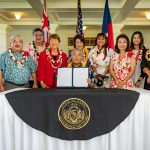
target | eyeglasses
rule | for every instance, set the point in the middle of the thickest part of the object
(16, 41)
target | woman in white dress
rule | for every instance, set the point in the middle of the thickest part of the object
(99, 57)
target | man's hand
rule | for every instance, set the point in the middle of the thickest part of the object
(2, 89)
(35, 85)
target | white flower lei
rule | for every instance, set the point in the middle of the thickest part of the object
(19, 62)
(54, 64)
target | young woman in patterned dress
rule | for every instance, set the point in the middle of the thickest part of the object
(138, 48)
(99, 57)
(122, 64)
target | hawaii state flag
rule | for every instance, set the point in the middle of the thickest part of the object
(107, 26)
(45, 26)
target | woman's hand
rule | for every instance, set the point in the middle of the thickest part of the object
(90, 83)
(43, 85)
(122, 83)
(2, 89)
(137, 84)
(35, 86)
(148, 80)
(117, 83)
(98, 77)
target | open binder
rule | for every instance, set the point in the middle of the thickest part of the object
(72, 77)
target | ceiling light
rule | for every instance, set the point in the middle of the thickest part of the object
(84, 27)
(18, 16)
(148, 16)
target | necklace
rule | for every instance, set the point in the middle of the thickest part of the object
(25, 56)
(54, 63)
(85, 52)
(36, 50)
(138, 54)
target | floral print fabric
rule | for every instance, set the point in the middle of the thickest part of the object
(121, 68)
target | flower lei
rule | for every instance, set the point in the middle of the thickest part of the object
(86, 53)
(97, 57)
(147, 55)
(138, 55)
(129, 54)
(99, 51)
(25, 56)
(35, 49)
(71, 65)
(54, 63)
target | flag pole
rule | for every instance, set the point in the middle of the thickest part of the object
(77, 18)
(45, 5)
(45, 23)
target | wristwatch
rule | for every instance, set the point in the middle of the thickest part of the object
(94, 74)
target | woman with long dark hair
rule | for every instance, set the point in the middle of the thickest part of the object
(138, 48)
(122, 64)
(99, 56)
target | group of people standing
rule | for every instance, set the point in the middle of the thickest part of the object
(35, 65)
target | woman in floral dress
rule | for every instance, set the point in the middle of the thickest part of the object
(122, 64)
(99, 57)
(138, 48)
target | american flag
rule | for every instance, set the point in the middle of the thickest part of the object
(45, 26)
(79, 23)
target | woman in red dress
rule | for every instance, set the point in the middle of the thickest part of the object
(51, 59)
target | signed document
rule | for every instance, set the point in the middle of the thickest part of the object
(72, 77)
